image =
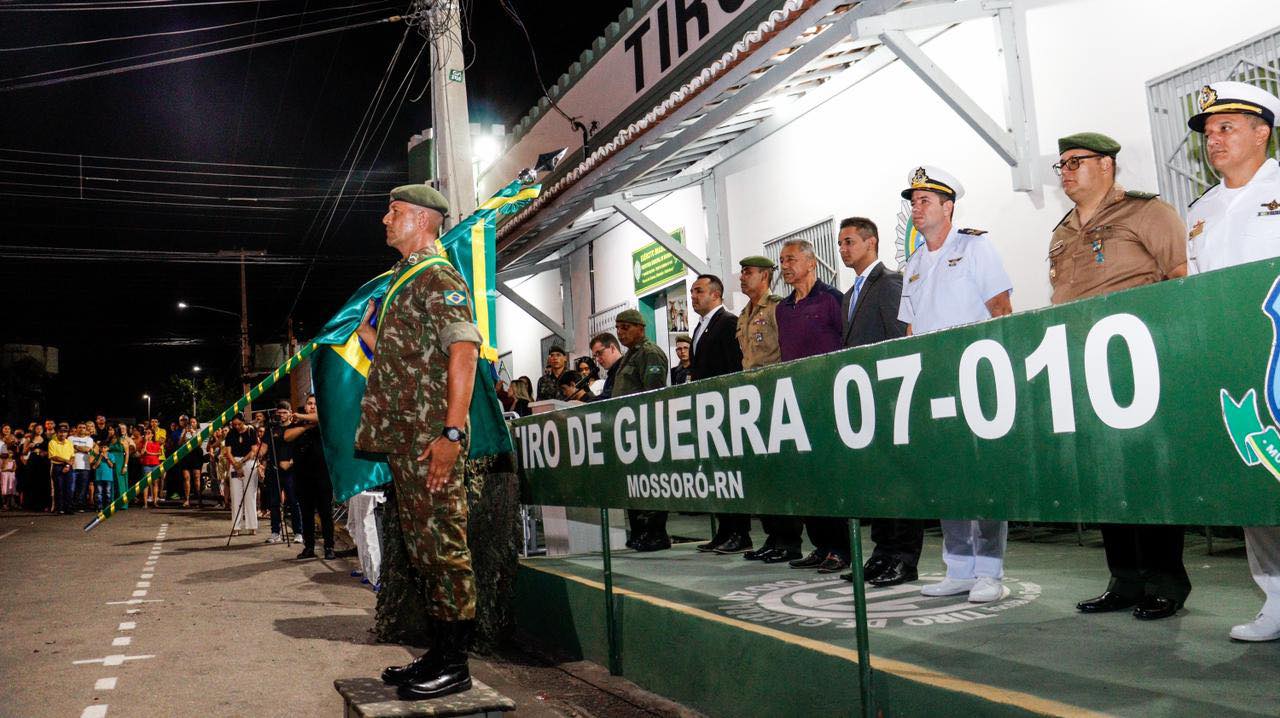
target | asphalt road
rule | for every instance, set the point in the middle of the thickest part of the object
(151, 614)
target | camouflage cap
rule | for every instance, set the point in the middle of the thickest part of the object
(756, 260)
(683, 338)
(630, 316)
(423, 195)
(1092, 141)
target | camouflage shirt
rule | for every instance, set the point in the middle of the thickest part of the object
(404, 401)
(641, 369)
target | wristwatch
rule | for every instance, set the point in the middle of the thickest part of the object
(454, 434)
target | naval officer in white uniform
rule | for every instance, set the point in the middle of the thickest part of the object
(955, 278)
(1238, 221)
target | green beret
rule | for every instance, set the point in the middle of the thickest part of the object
(756, 260)
(683, 338)
(630, 316)
(1092, 141)
(423, 195)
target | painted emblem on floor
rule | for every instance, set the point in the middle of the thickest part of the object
(1255, 443)
(829, 602)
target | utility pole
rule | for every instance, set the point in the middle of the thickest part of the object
(449, 119)
(244, 316)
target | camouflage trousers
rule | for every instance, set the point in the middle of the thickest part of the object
(435, 532)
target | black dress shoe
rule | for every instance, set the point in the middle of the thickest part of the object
(897, 573)
(847, 576)
(449, 673)
(781, 555)
(875, 566)
(1108, 601)
(833, 563)
(653, 542)
(1153, 608)
(736, 543)
(758, 554)
(813, 560)
(447, 680)
(711, 545)
(329, 555)
(307, 552)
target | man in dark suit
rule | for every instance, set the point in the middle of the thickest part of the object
(715, 352)
(870, 316)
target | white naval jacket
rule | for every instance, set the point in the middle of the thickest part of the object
(1226, 228)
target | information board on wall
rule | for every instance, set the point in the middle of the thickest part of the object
(1154, 405)
(653, 265)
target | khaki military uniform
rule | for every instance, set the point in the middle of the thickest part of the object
(1132, 240)
(758, 333)
(403, 411)
(642, 369)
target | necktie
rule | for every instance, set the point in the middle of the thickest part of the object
(857, 289)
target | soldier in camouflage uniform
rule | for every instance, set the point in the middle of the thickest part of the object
(643, 368)
(415, 412)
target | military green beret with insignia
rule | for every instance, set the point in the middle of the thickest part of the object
(423, 195)
(1092, 141)
(756, 260)
(630, 316)
(683, 338)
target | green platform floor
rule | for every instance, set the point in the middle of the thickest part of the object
(735, 638)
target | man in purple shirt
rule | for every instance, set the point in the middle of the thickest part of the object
(811, 322)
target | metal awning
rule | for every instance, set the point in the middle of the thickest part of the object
(805, 53)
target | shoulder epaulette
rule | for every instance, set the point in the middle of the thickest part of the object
(1064, 219)
(1202, 194)
(972, 232)
(1139, 194)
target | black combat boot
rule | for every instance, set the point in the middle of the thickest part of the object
(420, 667)
(451, 674)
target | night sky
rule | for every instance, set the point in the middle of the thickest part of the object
(90, 220)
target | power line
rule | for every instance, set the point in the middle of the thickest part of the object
(196, 56)
(171, 161)
(97, 254)
(170, 33)
(95, 6)
(171, 181)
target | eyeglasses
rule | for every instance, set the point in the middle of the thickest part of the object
(1073, 163)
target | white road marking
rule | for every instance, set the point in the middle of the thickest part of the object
(95, 711)
(105, 684)
(139, 593)
(133, 610)
(147, 575)
(127, 626)
(8, 533)
(113, 660)
(135, 601)
(144, 584)
(122, 640)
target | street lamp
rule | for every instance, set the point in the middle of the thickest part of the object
(148, 398)
(194, 370)
(243, 316)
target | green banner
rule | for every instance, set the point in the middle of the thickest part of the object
(653, 265)
(1136, 407)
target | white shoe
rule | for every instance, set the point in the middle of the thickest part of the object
(948, 587)
(1263, 628)
(985, 590)
(274, 538)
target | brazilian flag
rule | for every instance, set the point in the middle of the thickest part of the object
(341, 365)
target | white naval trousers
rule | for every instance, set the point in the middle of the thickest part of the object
(363, 527)
(1262, 546)
(245, 487)
(973, 549)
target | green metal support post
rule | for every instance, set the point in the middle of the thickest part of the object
(611, 627)
(860, 618)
